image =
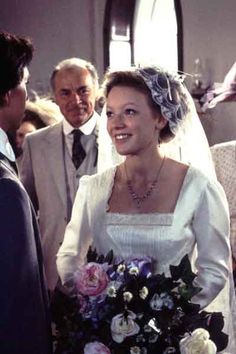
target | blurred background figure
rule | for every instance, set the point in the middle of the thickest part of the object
(224, 154)
(38, 114)
(223, 92)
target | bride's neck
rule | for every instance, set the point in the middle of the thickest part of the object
(135, 168)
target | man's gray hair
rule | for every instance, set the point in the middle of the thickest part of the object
(74, 63)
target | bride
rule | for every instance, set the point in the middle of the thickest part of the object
(151, 203)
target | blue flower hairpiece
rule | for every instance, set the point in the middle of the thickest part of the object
(163, 87)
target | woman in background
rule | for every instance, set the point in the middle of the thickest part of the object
(38, 114)
(151, 204)
(224, 153)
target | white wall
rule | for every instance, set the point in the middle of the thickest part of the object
(66, 28)
(60, 29)
(209, 33)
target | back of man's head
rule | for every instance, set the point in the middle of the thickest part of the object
(72, 63)
(15, 54)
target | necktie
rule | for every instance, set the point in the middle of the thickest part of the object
(78, 153)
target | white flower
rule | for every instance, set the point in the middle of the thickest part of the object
(121, 268)
(123, 326)
(111, 291)
(198, 342)
(143, 293)
(128, 296)
(112, 288)
(134, 271)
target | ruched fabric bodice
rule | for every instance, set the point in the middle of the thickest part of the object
(137, 235)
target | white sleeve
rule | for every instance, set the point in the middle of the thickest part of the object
(77, 237)
(211, 228)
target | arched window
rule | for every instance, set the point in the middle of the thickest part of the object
(143, 32)
(156, 33)
(118, 33)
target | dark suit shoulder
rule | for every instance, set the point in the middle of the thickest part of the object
(6, 170)
(10, 186)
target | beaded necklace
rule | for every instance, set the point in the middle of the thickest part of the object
(137, 199)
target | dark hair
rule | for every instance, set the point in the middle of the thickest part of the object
(15, 54)
(131, 79)
(71, 63)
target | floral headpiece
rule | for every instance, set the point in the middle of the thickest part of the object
(163, 87)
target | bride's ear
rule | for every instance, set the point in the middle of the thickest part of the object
(160, 122)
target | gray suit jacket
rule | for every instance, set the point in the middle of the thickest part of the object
(42, 171)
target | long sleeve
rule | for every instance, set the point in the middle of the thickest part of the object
(211, 228)
(77, 237)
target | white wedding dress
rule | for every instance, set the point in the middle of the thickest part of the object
(198, 227)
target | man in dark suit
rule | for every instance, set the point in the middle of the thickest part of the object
(24, 315)
(55, 158)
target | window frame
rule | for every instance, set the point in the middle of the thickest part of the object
(121, 13)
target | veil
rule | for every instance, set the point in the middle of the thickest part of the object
(190, 144)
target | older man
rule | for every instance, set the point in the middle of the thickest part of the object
(24, 309)
(55, 158)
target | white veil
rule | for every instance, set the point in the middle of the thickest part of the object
(190, 144)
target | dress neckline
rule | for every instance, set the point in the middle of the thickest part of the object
(185, 181)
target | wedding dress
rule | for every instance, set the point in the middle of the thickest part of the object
(200, 216)
(199, 225)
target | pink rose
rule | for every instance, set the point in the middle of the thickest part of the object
(91, 279)
(96, 348)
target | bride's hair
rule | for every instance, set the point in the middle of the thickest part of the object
(183, 137)
(164, 92)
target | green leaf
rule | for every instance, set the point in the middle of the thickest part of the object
(188, 291)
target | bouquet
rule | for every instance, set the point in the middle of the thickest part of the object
(124, 308)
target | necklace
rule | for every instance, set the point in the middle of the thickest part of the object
(137, 199)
